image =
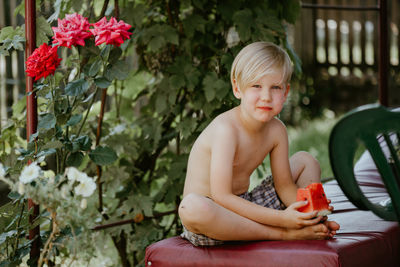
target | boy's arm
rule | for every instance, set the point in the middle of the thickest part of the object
(280, 166)
(223, 148)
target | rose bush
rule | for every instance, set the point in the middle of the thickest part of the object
(62, 143)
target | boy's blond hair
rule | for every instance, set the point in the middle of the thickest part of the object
(258, 59)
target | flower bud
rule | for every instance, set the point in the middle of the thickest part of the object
(83, 203)
(21, 188)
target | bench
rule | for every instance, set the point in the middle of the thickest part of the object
(363, 240)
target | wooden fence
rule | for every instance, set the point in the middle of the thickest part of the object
(12, 75)
(339, 50)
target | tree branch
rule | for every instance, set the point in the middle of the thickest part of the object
(157, 215)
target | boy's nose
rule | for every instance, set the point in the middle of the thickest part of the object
(266, 95)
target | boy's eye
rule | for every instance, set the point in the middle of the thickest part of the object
(276, 87)
(256, 86)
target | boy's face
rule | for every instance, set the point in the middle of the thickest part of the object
(263, 99)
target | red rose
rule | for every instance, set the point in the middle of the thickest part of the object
(72, 30)
(111, 32)
(43, 62)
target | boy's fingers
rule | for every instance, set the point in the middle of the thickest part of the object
(309, 215)
(312, 221)
(299, 204)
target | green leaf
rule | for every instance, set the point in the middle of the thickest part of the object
(75, 159)
(194, 23)
(244, 21)
(158, 36)
(85, 143)
(209, 86)
(136, 84)
(141, 203)
(47, 121)
(74, 120)
(176, 81)
(156, 43)
(170, 34)
(95, 67)
(43, 30)
(161, 103)
(4, 51)
(6, 33)
(103, 155)
(115, 54)
(102, 82)
(77, 87)
(56, 14)
(12, 38)
(20, 9)
(13, 195)
(291, 10)
(6, 235)
(46, 152)
(105, 52)
(119, 70)
(53, 144)
(138, 13)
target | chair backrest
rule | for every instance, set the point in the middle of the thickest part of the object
(365, 124)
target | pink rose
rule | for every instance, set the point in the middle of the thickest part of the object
(72, 30)
(111, 32)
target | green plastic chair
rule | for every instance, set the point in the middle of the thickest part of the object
(365, 124)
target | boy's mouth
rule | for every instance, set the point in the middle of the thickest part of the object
(265, 108)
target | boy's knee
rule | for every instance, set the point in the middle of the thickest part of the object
(195, 211)
(307, 159)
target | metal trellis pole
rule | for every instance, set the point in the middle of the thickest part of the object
(31, 115)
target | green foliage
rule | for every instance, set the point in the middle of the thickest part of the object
(164, 86)
(11, 38)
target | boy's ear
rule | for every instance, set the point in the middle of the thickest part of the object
(236, 90)
(287, 90)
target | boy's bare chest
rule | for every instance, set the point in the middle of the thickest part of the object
(249, 155)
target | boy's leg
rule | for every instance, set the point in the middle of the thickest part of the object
(305, 169)
(202, 215)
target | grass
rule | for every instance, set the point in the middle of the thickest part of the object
(313, 137)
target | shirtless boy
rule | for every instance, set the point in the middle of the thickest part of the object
(216, 206)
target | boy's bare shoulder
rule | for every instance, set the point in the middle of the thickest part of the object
(277, 130)
(277, 125)
(223, 125)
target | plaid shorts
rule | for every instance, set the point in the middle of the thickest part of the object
(263, 195)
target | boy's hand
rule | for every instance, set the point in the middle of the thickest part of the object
(330, 207)
(296, 220)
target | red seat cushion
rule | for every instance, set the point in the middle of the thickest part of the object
(363, 240)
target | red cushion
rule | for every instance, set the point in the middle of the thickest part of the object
(363, 240)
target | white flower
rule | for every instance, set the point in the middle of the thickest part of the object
(21, 188)
(2, 171)
(49, 174)
(74, 174)
(86, 186)
(29, 173)
(65, 191)
(83, 203)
